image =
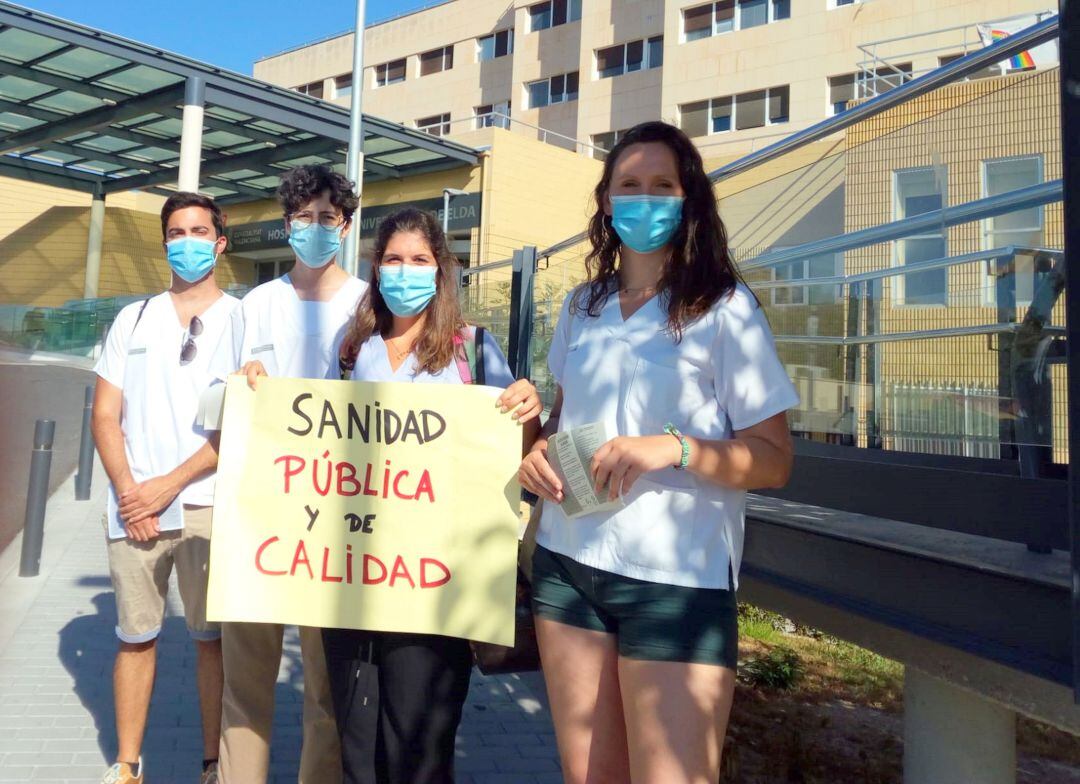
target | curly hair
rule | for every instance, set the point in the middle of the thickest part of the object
(435, 347)
(300, 184)
(699, 269)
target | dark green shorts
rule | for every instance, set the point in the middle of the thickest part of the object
(652, 621)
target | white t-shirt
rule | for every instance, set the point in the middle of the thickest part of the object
(293, 338)
(373, 364)
(724, 375)
(161, 396)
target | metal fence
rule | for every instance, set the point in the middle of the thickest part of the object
(941, 420)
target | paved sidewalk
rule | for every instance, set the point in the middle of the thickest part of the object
(56, 652)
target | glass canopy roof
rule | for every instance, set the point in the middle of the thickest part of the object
(86, 110)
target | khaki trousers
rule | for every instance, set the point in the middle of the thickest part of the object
(252, 658)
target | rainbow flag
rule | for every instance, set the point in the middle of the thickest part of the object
(1022, 60)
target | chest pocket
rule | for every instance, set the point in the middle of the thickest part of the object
(660, 393)
(585, 375)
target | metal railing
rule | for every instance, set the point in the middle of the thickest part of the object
(881, 58)
(505, 121)
(1021, 41)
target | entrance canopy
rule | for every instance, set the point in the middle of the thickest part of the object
(85, 110)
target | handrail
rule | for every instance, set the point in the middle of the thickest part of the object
(888, 272)
(939, 77)
(1007, 47)
(922, 334)
(1037, 14)
(511, 120)
(1010, 201)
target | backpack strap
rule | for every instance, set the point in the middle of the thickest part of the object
(470, 357)
(138, 318)
(465, 355)
(478, 349)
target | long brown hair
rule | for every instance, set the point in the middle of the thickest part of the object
(699, 269)
(435, 347)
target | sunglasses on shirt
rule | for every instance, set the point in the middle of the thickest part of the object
(188, 349)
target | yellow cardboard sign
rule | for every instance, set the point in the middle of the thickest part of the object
(384, 506)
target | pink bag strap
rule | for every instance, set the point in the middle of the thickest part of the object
(461, 356)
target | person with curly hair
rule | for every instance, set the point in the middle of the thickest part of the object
(664, 344)
(288, 328)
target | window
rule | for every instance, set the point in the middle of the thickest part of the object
(390, 73)
(841, 91)
(840, 3)
(557, 89)
(343, 86)
(633, 56)
(1023, 228)
(694, 118)
(720, 116)
(918, 191)
(553, 13)
(314, 89)
(746, 110)
(495, 45)
(761, 107)
(753, 13)
(436, 125)
(604, 142)
(493, 115)
(441, 59)
(824, 266)
(654, 51)
(725, 16)
(778, 105)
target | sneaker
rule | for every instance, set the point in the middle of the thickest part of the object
(210, 775)
(121, 773)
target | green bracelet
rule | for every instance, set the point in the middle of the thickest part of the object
(684, 460)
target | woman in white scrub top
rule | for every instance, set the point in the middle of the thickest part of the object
(663, 344)
(404, 331)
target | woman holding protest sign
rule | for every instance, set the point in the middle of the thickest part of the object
(667, 349)
(409, 328)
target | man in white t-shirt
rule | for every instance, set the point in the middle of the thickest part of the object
(288, 328)
(161, 463)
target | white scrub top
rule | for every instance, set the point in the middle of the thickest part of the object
(724, 375)
(160, 395)
(373, 364)
(293, 338)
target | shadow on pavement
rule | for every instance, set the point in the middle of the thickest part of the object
(87, 649)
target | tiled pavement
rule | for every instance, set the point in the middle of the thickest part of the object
(56, 653)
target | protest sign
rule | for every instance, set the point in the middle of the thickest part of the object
(388, 506)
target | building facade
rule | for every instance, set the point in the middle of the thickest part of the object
(733, 73)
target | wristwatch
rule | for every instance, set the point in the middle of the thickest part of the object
(684, 460)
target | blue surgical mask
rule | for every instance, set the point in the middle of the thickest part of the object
(646, 223)
(191, 258)
(406, 288)
(313, 244)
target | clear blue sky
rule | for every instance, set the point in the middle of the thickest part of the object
(230, 34)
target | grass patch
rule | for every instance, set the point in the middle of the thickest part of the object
(815, 709)
(778, 668)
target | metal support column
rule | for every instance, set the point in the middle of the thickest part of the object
(191, 134)
(521, 312)
(1070, 156)
(953, 735)
(94, 241)
(354, 163)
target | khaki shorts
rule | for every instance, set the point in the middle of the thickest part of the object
(140, 577)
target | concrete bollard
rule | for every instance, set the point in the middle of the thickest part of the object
(86, 450)
(36, 496)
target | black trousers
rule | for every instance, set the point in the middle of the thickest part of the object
(398, 700)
